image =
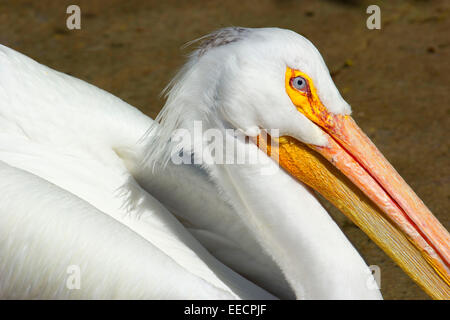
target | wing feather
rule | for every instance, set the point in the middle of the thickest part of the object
(64, 189)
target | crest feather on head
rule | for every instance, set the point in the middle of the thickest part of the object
(159, 136)
(218, 38)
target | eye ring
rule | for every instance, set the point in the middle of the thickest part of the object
(300, 84)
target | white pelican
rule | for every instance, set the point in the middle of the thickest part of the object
(87, 184)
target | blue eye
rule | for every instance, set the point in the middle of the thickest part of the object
(299, 83)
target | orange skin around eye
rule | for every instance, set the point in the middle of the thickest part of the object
(308, 102)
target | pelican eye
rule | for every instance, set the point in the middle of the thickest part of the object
(299, 83)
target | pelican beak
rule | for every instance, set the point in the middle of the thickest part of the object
(365, 187)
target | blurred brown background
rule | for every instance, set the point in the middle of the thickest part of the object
(396, 79)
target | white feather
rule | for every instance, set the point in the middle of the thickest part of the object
(74, 191)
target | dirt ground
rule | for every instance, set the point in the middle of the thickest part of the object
(396, 79)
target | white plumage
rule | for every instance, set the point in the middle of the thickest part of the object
(77, 185)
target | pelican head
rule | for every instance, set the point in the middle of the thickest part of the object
(257, 80)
